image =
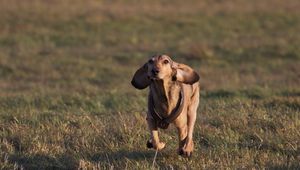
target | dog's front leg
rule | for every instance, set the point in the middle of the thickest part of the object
(185, 126)
(191, 119)
(154, 141)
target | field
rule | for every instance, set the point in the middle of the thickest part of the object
(66, 101)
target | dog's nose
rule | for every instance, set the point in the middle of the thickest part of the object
(155, 71)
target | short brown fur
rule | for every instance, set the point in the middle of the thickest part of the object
(166, 79)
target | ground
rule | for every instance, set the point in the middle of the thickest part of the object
(66, 101)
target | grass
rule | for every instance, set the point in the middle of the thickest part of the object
(66, 101)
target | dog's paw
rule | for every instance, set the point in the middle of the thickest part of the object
(158, 146)
(185, 153)
(187, 149)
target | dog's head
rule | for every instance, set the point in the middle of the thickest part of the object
(162, 67)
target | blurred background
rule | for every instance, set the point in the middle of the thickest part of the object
(66, 67)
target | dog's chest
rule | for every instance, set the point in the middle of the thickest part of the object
(165, 101)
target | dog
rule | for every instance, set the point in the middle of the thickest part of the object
(173, 98)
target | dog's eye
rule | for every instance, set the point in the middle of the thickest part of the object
(150, 61)
(166, 61)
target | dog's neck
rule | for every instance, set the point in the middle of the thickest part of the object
(165, 96)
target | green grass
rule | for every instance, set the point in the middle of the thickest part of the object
(66, 101)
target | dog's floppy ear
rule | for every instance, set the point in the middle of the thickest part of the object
(184, 73)
(140, 79)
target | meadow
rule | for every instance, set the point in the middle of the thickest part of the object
(66, 101)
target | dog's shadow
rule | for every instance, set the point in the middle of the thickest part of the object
(121, 155)
(116, 158)
(135, 155)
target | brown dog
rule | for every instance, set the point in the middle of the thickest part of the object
(173, 98)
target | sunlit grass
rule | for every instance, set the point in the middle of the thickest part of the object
(66, 101)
